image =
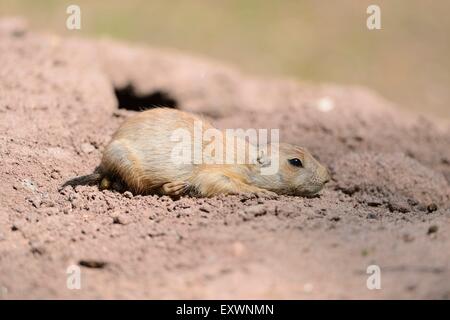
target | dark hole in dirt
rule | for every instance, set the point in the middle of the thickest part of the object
(94, 264)
(128, 99)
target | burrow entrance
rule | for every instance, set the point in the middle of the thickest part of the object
(128, 99)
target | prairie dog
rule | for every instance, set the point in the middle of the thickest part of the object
(140, 155)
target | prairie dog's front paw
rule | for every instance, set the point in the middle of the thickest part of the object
(176, 188)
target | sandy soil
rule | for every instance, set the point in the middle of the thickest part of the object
(388, 203)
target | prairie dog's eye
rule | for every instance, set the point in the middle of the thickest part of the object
(296, 162)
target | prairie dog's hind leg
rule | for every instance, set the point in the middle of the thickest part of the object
(176, 188)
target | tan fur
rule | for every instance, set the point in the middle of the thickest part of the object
(139, 154)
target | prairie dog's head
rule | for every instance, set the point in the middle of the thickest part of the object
(298, 172)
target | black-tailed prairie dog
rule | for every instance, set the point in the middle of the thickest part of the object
(145, 157)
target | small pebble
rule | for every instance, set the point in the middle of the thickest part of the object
(399, 206)
(30, 185)
(37, 249)
(87, 148)
(55, 175)
(371, 216)
(258, 210)
(433, 229)
(128, 194)
(432, 207)
(121, 219)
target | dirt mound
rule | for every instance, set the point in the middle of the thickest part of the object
(395, 180)
(62, 98)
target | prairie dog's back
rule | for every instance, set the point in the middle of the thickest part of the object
(140, 151)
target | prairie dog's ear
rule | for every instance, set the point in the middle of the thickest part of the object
(263, 158)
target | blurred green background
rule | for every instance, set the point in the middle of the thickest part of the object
(314, 40)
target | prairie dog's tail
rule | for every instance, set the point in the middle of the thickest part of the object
(89, 179)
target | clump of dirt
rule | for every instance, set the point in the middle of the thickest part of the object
(388, 203)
